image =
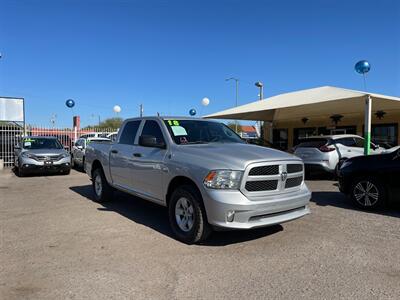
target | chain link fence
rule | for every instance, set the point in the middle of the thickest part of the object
(11, 134)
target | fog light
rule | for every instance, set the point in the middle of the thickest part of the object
(230, 215)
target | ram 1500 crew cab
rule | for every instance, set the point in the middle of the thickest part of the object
(203, 172)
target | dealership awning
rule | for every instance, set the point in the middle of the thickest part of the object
(316, 102)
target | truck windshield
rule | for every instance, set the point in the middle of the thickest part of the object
(185, 132)
(41, 143)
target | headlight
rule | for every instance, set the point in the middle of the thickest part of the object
(223, 179)
(29, 155)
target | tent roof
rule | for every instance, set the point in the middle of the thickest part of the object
(319, 101)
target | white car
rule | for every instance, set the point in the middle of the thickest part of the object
(79, 149)
(327, 153)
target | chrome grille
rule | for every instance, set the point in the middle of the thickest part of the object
(262, 185)
(294, 168)
(263, 179)
(293, 182)
(264, 170)
(48, 158)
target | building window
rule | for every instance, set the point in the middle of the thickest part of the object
(302, 133)
(385, 135)
(280, 139)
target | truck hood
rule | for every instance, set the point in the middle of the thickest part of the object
(230, 155)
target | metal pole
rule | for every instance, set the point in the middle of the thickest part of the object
(237, 96)
(367, 125)
(141, 110)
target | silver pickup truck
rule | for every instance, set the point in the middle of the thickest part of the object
(203, 172)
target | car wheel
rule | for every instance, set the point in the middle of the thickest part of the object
(102, 190)
(368, 193)
(19, 171)
(187, 215)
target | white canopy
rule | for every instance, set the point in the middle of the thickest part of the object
(314, 102)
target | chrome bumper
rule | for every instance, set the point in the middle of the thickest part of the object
(248, 213)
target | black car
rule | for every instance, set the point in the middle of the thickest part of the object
(372, 181)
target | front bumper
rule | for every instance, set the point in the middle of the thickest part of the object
(249, 213)
(33, 166)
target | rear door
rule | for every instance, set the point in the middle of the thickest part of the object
(121, 155)
(149, 168)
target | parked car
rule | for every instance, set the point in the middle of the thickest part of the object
(327, 153)
(39, 154)
(372, 181)
(79, 149)
(203, 172)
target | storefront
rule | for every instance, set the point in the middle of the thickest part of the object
(321, 111)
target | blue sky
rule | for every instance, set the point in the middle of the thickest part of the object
(168, 55)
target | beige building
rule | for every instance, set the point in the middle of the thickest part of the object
(324, 110)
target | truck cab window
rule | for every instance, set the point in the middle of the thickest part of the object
(129, 133)
(152, 128)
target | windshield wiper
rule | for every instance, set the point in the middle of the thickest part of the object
(197, 142)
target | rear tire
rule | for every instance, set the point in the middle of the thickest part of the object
(103, 192)
(368, 193)
(187, 215)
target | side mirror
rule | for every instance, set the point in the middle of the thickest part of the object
(17, 147)
(79, 147)
(150, 141)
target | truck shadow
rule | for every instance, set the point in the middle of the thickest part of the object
(154, 216)
(337, 199)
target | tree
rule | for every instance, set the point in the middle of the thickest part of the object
(232, 125)
(113, 123)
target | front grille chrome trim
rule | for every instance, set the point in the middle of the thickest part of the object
(253, 189)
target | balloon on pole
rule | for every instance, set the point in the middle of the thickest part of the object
(70, 103)
(205, 101)
(192, 112)
(117, 109)
(362, 67)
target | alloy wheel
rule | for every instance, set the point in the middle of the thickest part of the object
(184, 214)
(366, 193)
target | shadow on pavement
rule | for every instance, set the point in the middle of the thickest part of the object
(338, 199)
(156, 217)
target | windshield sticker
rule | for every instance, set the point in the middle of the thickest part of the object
(173, 123)
(27, 143)
(178, 130)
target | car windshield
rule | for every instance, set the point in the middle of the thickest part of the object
(41, 143)
(185, 132)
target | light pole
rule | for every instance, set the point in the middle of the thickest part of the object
(261, 95)
(237, 95)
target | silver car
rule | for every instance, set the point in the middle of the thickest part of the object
(327, 153)
(79, 149)
(203, 172)
(38, 154)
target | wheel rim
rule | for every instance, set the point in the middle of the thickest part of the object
(366, 193)
(184, 214)
(98, 185)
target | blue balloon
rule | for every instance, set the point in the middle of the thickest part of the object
(362, 67)
(70, 103)
(192, 112)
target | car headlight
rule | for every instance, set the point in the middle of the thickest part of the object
(29, 155)
(223, 179)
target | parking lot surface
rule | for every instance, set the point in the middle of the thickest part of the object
(56, 243)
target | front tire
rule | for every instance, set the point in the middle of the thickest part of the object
(103, 192)
(368, 193)
(187, 215)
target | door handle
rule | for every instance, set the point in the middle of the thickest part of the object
(137, 154)
(114, 151)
